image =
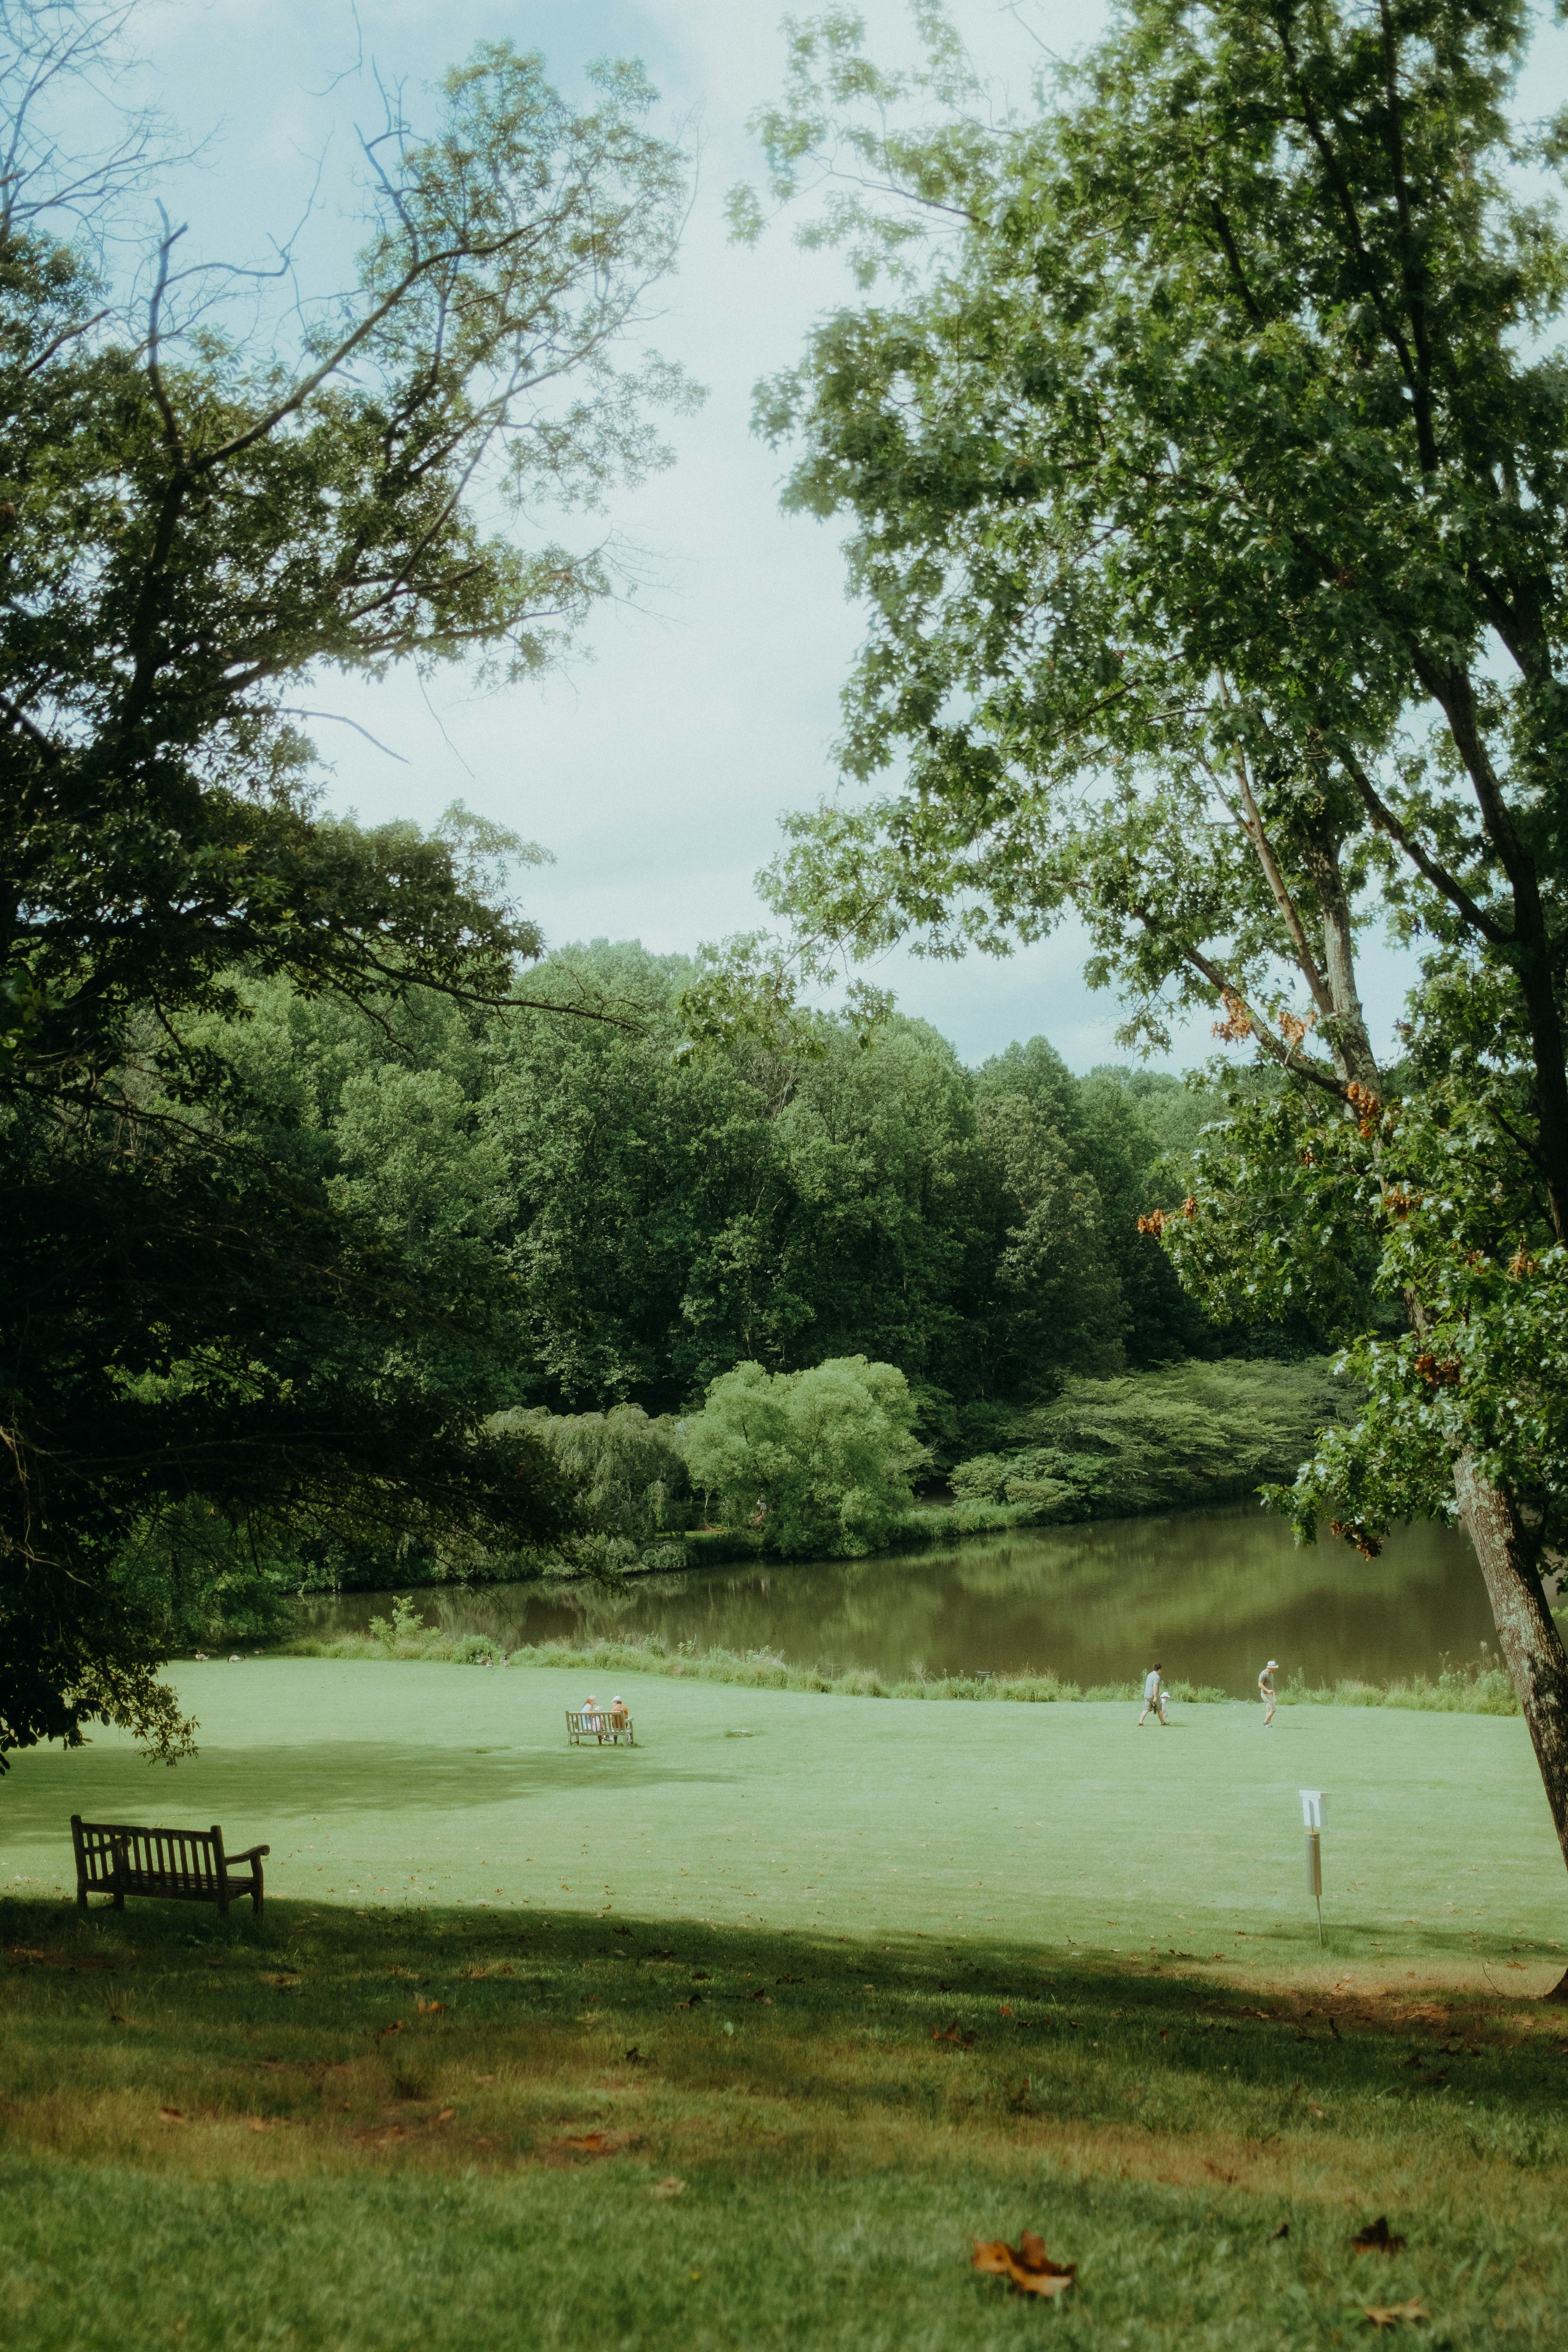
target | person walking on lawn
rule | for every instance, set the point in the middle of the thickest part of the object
(1153, 1694)
(1265, 1691)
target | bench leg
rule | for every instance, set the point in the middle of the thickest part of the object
(81, 1895)
(255, 1891)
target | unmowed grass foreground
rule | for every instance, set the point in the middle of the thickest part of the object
(742, 2037)
(342, 2131)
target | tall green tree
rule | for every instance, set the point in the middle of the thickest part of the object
(674, 1210)
(1206, 472)
(198, 520)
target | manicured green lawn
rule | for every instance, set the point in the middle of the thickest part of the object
(813, 1989)
(426, 1784)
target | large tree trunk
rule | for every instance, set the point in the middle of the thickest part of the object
(1532, 1646)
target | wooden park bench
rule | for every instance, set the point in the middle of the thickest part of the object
(182, 1866)
(598, 1724)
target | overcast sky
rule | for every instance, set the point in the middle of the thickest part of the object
(655, 769)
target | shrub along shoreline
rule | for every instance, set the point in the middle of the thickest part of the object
(1457, 1690)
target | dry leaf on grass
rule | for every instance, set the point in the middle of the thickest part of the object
(1376, 2238)
(1028, 2268)
(594, 2143)
(395, 2027)
(429, 2008)
(669, 2187)
(172, 2115)
(283, 1984)
(766, 1998)
(1313, 2109)
(1390, 2315)
(953, 2031)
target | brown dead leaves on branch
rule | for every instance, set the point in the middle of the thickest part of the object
(1027, 2268)
(1158, 1219)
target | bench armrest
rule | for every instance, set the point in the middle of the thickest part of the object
(251, 1853)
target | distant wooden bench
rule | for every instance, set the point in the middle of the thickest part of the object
(181, 1866)
(599, 1724)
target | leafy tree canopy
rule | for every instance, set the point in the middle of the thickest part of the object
(820, 1461)
(1205, 469)
(201, 521)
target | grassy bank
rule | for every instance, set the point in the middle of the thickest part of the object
(469, 2132)
(749, 1669)
(1471, 1689)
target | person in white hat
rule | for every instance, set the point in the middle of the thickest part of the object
(1265, 1691)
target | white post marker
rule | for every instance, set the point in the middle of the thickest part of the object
(1314, 1805)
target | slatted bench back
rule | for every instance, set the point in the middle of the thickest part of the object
(114, 1858)
(599, 1723)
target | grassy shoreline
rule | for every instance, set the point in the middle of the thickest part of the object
(1455, 1691)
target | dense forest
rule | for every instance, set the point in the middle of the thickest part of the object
(596, 1220)
(659, 1213)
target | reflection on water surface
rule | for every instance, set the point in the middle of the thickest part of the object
(1211, 1594)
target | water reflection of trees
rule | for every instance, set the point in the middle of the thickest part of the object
(1205, 1588)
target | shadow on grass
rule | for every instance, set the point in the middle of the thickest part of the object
(241, 1786)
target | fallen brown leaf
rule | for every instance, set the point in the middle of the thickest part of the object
(594, 2143)
(1230, 2178)
(1313, 2109)
(953, 2031)
(1282, 2231)
(1390, 2314)
(1376, 2238)
(766, 1998)
(1028, 2268)
(445, 2114)
(669, 2187)
(172, 2115)
(395, 2027)
(429, 2008)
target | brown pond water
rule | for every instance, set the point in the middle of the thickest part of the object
(1211, 1594)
